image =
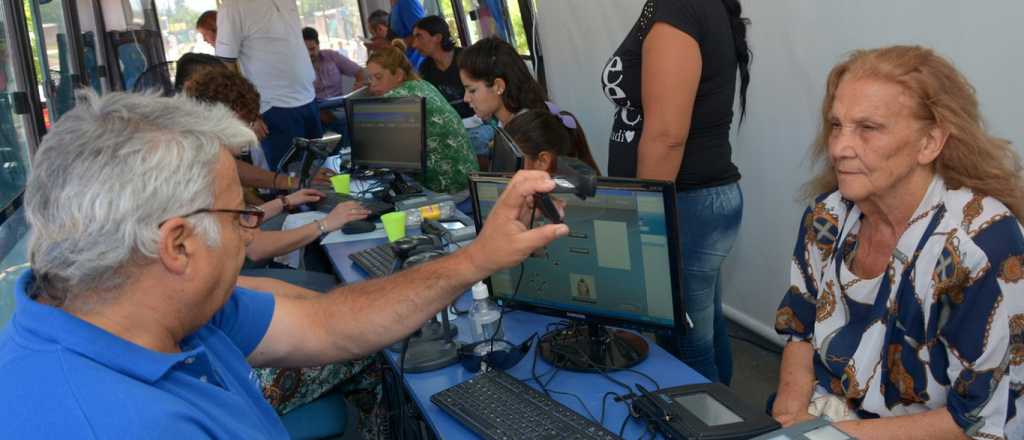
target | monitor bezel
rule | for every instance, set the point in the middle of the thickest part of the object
(520, 158)
(350, 122)
(668, 191)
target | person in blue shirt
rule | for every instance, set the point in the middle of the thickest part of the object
(130, 324)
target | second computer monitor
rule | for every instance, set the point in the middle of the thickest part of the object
(507, 157)
(618, 266)
(388, 133)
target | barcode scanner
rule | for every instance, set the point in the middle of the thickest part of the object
(571, 177)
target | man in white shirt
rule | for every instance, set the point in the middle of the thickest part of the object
(265, 37)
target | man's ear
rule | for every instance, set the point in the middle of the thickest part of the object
(177, 245)
(932, 144)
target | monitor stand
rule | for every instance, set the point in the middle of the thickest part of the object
(593, 348)
(433, 348)
(402, 187)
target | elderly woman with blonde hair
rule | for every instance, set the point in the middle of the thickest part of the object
(905, 313)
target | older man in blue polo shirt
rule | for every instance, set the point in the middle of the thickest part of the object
(130, 324)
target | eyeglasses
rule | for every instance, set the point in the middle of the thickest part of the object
(250, 217)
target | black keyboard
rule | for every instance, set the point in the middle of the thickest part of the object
(377, 261)
(498, 406)
(376, 207)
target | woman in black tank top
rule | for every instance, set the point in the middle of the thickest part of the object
(674, 126)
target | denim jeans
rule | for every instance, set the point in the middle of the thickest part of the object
(285, 124)
(709, 221)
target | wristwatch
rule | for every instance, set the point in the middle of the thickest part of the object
(284, 202)
(320, 225)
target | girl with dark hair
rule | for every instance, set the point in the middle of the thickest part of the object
(500, 86)
(542, 137)
(192, 63)
(673, 80)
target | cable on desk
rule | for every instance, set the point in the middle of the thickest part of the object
(578, 399)
(604, 403)
(622, 429)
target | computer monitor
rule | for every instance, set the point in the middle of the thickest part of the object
(388, 133)
(507, 157)
(617, 267)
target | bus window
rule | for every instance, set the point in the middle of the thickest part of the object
(51, 51)
(339, 24)
(337, 21)
(178, 26)
(13, 133)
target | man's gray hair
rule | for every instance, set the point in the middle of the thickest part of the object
(106, 176)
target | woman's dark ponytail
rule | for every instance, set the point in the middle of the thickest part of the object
(739, 36)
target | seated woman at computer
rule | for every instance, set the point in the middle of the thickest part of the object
(542, 137)
(499, 86)
(907, 288)
(432, 38)
(450, 159)
(224, 86)
(255, 174)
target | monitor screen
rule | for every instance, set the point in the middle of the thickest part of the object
(508, 158)
(388, 132)
(618, 265)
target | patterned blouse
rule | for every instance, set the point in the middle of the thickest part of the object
(450, 158)
(943, 326)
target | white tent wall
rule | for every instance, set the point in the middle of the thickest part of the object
(795, 44)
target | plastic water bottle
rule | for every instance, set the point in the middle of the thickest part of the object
(436, 211)
(484, 315)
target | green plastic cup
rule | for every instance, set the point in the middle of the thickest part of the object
(394, 225)
(340, 183)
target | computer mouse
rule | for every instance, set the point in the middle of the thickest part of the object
(406, 246)
(421, 258)
(358, 227)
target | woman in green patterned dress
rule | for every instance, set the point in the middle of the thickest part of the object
(450, 158)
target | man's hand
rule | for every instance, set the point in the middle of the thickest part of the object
(505, 239)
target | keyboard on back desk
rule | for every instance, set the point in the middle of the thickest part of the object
(498, 406)
(376, 207)
(377, 261)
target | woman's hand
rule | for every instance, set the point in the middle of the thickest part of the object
(260, 128)
(323, 177)
(788, 420)
(303, 196)
(344, 213)
(796, 384)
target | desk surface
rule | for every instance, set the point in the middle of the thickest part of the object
(519, 325)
